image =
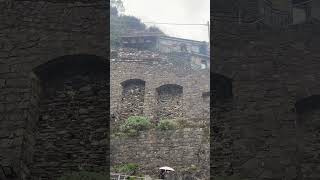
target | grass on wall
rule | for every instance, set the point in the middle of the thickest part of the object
(166, 124)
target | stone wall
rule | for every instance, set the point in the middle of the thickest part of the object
(169, 102)
(156, 73)
(33, 33)
(271, 70)
(172, 89)
(132, 98)
(152, 149)
(71, 131)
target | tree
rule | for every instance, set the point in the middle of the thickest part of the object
(154, 29)
(118, 4)
(121, 24)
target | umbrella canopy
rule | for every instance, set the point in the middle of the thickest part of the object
(167, 168)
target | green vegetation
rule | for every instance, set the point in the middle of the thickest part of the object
(134, 124)
(85, 175)
(192, 169)
(166, 124)
(121, 24)
(128, 169)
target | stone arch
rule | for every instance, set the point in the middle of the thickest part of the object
(132, 84)
(307, 104)
(220, 123)
(132, 98)
(169, 101)
(70, 132)
(308, 135)
(221, 87)
(206, 104)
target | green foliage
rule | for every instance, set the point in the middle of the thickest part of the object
(129, 169)
(121, 24)
(134, 124)
(117, 4)
(191, 169)
(84, 175)
(166, 124)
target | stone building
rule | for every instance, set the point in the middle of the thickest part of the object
(163, 43)
(265, 128)
(54, 96)
(155, 87)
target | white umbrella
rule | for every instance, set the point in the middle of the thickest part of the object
(166, 168)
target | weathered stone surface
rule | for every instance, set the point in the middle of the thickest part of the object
(151, 84)
(31, 35)
(271, 71)
(152, 149)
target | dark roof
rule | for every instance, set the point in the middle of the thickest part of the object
(151, 34)
(175, 38)
(143, 34)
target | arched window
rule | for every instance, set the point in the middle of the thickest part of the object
(221, 87)
(169, 100)
(73, 113)
(132, 100)
(132, 86)
(308, 134)
(206, 104)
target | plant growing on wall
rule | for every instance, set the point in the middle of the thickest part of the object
(128, 169)
(166, 124)
(134, 124)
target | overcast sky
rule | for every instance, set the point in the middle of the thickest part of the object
(173, 11)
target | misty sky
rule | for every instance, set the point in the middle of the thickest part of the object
(173, 11)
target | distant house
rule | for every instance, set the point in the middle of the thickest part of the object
(163, 43)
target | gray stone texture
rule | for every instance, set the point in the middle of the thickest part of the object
(258, 137)
(172, 89)
(33, 33)
(178, 149)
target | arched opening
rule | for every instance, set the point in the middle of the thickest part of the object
(72, 124)
(308, 135)
(221, 87)
(169, 101)
(132, 100)
(206, 104)
(220, 123)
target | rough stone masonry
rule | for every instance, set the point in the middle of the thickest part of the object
(268, 128)
(152, 85)
(53, 113)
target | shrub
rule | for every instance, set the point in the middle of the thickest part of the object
(84, 175)
(129, 168)
(134, 124)
(166, 124)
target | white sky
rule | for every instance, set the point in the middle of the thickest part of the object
(173, 11)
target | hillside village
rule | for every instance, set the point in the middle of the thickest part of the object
(171, 90)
